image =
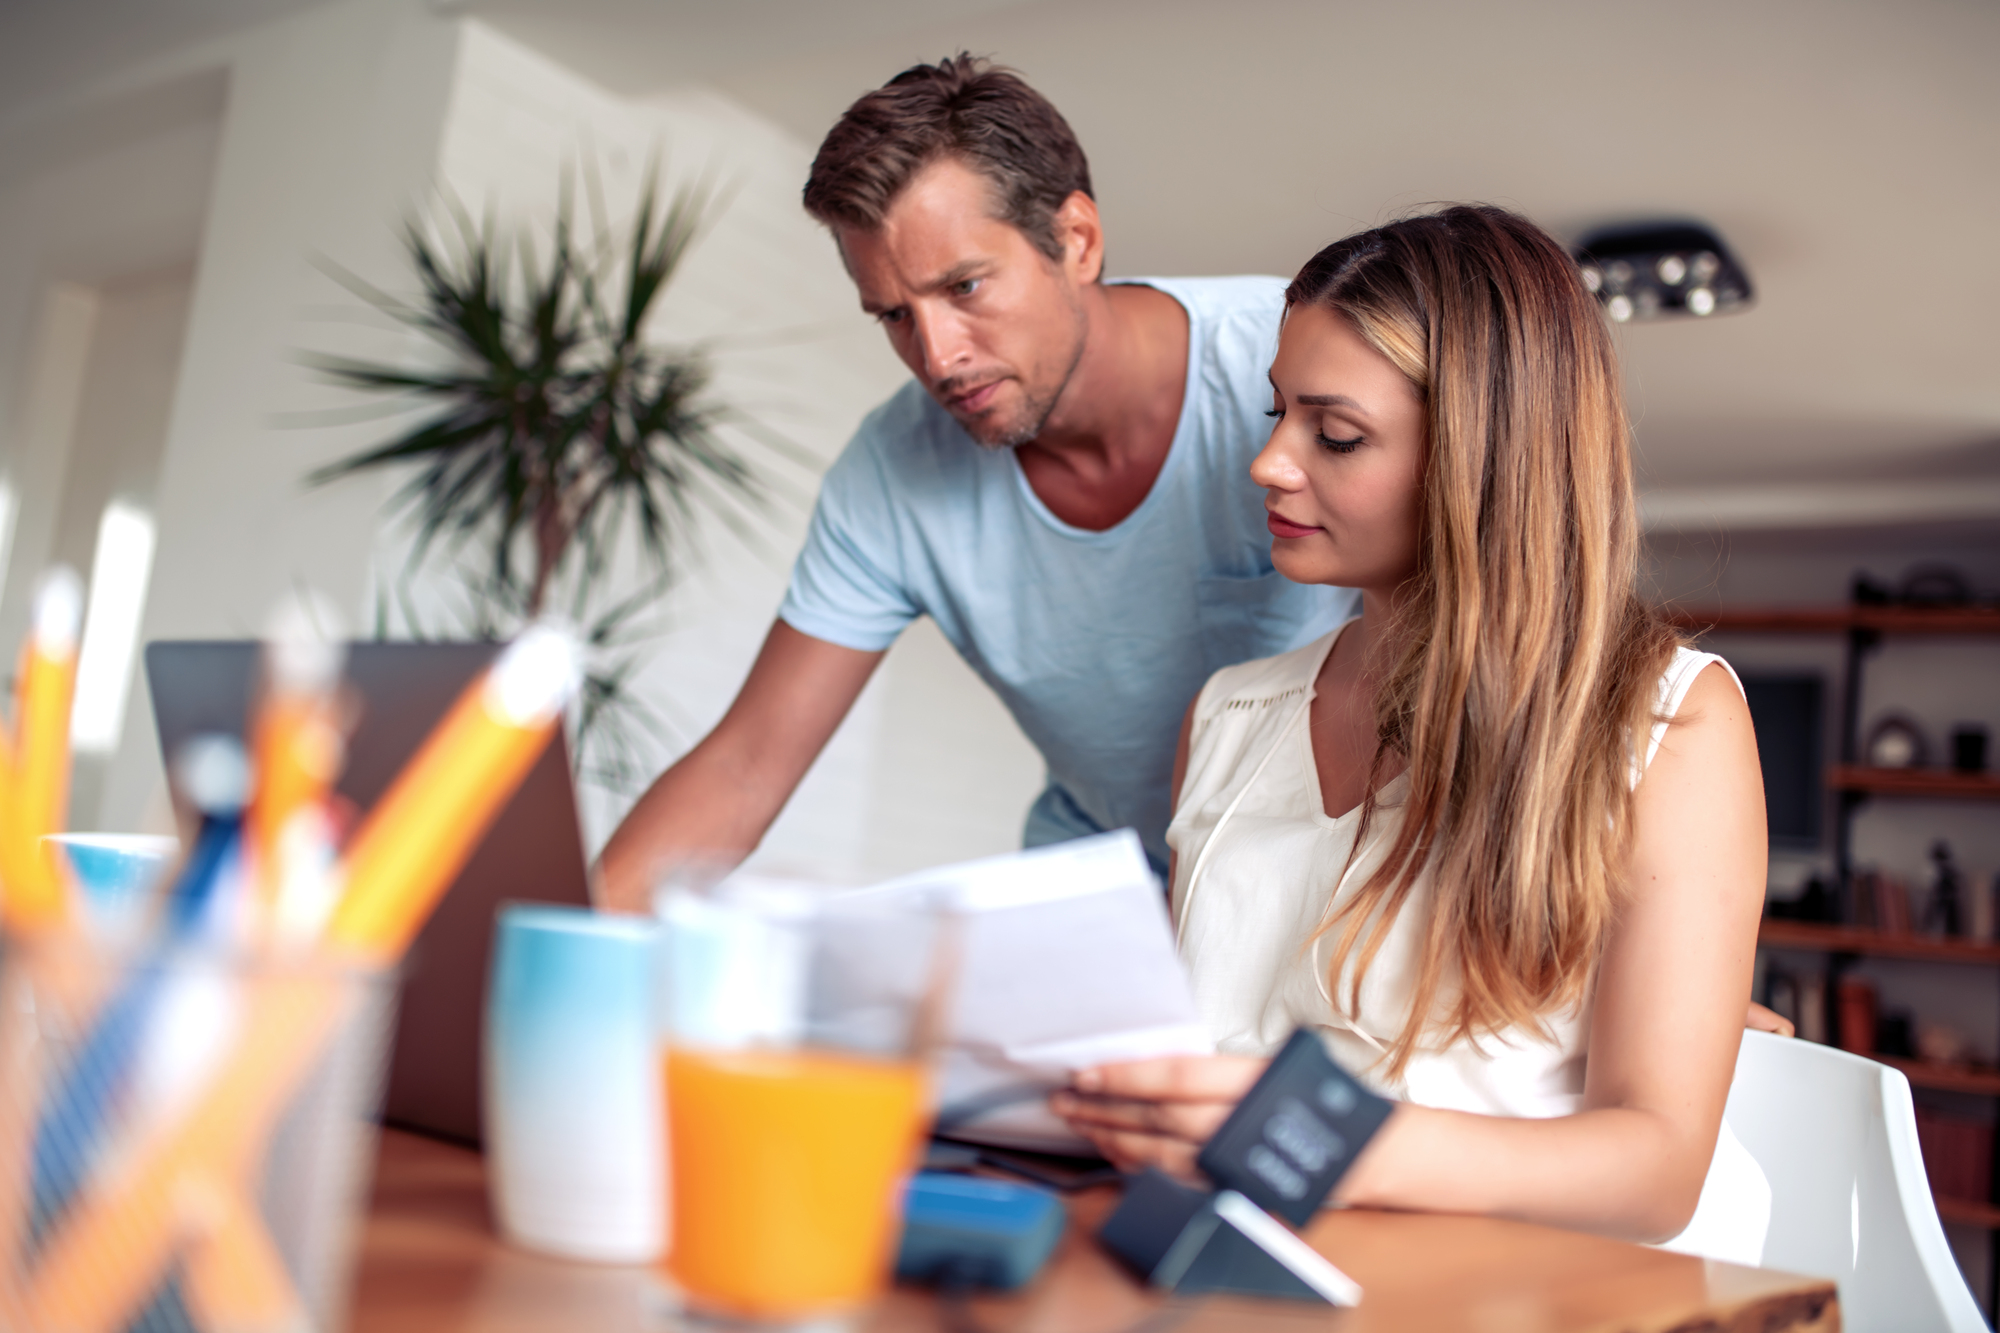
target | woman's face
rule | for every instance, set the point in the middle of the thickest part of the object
(1342, 470)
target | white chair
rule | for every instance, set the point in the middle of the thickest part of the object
(1836, 1136)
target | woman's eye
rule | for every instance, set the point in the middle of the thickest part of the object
(1275, 412)
(965, 288)
(1340, 446)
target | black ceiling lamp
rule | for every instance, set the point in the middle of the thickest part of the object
(1661, 270)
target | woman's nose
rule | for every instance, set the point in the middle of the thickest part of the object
(1273, 468)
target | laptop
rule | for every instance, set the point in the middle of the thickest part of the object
(533, 851)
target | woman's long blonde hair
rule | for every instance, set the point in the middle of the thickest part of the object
(1526, 664)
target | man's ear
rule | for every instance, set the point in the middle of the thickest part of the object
(1082, 234)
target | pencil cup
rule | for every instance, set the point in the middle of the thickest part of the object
(184, 1138)
(574, 1142)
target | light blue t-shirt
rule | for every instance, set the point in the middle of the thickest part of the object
(1096, 641)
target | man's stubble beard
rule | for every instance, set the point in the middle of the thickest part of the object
(1035, 412)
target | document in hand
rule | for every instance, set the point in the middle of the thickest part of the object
(1066, 960)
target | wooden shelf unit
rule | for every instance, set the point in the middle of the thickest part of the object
(1855, 783)
(1840, 619)
(1933, 782)
(1813, 936)
(1968, 1212)
(1977, 1080)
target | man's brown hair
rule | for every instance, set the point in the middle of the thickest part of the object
(965, 107)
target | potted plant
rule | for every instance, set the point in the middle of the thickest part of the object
(552, 430)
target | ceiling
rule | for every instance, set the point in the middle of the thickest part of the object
(1845, 148)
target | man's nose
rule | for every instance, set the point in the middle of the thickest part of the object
(940, 343)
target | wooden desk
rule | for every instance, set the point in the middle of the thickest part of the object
(430, 1263)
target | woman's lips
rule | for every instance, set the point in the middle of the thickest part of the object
(1284, 527)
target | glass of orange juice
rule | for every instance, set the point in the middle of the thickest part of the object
(795, 1024)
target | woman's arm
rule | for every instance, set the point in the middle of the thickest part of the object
(1671, 993)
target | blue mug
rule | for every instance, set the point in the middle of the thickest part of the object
(117, 873)
(575, 1140)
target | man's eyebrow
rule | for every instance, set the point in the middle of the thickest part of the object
(956, 274)
(951, 278)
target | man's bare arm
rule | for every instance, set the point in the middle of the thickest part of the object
(723, 794)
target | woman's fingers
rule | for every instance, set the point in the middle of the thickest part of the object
(1193, 1121)
(1131, 1151)
(1761, 1019)
(1156, 1112)
(1198, 1078)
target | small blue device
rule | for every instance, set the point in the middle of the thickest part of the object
(964, 1231)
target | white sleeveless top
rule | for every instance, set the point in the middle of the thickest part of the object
(1256, 856)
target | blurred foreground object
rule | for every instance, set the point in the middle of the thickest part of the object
(258, 1220)
(180, 1119)
(35, 894)
(575, 1145)
(798, 1027)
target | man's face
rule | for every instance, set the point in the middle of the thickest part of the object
(990, 325)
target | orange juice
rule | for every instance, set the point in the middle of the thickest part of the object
(785, 1170)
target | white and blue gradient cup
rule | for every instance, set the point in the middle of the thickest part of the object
(117, 873)
(575, 1140)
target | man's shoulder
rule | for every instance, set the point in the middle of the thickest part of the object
(907, 419)
(1218, 302)
(907, 431)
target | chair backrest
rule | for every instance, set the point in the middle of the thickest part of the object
(1836, 1136)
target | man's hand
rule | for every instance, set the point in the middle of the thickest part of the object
(1768, 1020)
(1156, 1112)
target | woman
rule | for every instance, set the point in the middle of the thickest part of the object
(1500, 838)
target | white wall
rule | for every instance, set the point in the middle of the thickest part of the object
(88, 198)
(113, 453)
(316, 136)
(331, 127)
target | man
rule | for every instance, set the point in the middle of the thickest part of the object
(1063, 487)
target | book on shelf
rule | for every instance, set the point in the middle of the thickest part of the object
(1881, 902)
(1958, 1155)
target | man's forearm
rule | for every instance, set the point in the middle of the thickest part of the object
(709, 806)
(716, 803)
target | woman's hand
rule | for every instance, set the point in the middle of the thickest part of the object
(1761, 1019)
(1156, 1112)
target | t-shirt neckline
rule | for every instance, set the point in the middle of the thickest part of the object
(1175, 447)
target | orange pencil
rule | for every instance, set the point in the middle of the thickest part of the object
(38, 794)
(418, 836)
(236, 1278)
(296, 743)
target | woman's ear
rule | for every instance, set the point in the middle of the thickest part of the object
(1082, 233)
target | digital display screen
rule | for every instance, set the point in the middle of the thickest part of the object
(1295, 1133)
